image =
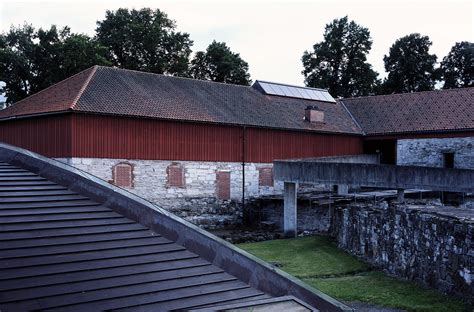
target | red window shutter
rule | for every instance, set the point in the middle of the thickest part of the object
(223, 185)
(175, 175)
(123, 175)
(265, 176)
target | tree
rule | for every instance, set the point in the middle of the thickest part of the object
(16, 70)
(33, 60)
(339, 62)
(145, 40)
(219, 63)
(457, 68)
(409, 65)
(78, 52)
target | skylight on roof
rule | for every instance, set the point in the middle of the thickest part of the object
(272, 88)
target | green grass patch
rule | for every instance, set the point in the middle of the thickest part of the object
(314, 256)
(378, 288)
(317, 261)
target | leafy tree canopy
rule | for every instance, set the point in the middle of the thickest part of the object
(32, 60)
(410, 66)
(145, 40)
(339, 62)
(16, 48)
(457, 68)
(219, 63)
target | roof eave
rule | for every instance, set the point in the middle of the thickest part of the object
(419, 132)
(9, 118)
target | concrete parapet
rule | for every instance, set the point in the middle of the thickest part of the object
(374, 175)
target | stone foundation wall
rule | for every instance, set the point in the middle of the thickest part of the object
(429, 152)
(416, 243)
(311, 216)
(196, 199)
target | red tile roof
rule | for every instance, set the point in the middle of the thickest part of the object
(59, 97)
(106, 90)
(429, 111)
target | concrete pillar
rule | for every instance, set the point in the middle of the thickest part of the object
(342, 189)
(290, 210)
(401, 195)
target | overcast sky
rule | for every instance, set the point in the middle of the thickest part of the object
(270, 35)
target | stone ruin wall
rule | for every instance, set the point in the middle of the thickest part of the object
(418, 244)
(422, 241)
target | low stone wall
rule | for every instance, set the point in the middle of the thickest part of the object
(428, 245)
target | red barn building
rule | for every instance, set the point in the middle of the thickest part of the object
(193, 146)
(180, 142)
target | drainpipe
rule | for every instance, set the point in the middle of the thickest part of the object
(245, 215)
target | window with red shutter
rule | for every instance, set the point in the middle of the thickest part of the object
(265, 176)
(175, 175)
(122, 174)
(223, 185)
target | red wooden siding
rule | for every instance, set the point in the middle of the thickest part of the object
(133, 138)
(47, 135)
(81, 135)
(265, 145)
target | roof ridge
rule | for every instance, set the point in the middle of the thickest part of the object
(84, 86)
(170, 76)
(352, 117)
(405, 93)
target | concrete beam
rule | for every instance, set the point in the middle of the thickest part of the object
(350, 159)
(290, 210)
(374, 175)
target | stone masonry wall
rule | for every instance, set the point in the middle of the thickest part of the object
(413, 242)
(429, 152)
(196, 200)
(311, 216)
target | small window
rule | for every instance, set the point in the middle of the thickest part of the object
(175, 174)
(265, 176)
(223, 185)
(448, 160)
(122, 175)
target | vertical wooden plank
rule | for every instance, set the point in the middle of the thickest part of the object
(46, 135)
(82, 135)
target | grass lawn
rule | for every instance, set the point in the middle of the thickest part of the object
(317, 261)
